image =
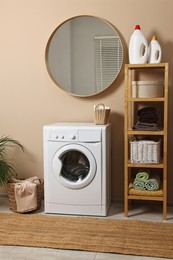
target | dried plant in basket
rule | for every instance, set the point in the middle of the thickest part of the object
(6, 168)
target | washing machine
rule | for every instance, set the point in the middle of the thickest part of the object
(77, 168)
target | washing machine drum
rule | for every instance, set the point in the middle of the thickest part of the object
(74, 166)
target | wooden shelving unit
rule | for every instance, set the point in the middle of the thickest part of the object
(149, 72)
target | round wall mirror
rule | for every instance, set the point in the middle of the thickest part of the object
(84, 55)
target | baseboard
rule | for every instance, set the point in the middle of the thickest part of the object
(118, 201)
(121, 201)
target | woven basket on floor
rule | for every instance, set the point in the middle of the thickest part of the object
(11, 195)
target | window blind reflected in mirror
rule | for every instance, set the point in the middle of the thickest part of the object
(108, 60)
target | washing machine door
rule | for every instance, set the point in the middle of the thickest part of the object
(74, 166)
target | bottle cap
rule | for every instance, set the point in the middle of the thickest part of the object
(154, 38)
(137, 27)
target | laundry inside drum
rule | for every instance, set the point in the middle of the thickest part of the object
(75, 166)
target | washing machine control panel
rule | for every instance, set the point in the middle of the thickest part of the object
(63, 135)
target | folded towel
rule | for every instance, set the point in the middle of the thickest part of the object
(146, 110)
(147, 119)
(153, 183)
(145, 126)
(26, 194)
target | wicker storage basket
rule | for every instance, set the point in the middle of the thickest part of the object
(145, 151)
(11, 195)
(101, 114)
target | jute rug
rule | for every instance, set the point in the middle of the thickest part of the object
(91, 234)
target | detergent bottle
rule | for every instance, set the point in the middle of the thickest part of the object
(138, 47)
(154, 51)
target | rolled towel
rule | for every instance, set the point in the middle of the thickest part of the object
(139, 184)
(153, 183)
(142, 175)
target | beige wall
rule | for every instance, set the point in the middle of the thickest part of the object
(28, 97)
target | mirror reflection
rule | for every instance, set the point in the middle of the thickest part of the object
(84, 55)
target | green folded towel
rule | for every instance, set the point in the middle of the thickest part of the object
(153, 183)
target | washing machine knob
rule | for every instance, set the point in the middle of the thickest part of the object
(73, 137)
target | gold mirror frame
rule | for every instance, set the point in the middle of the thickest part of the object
(70, 30)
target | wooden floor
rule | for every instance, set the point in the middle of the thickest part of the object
(143, 212)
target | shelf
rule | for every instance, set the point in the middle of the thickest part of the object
(145, 66)
(145, 165)
(139, 132)
(155, 198)
(134, 72)
(154, 99)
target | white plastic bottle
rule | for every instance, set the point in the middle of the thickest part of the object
(138, 47)
(154, 51)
